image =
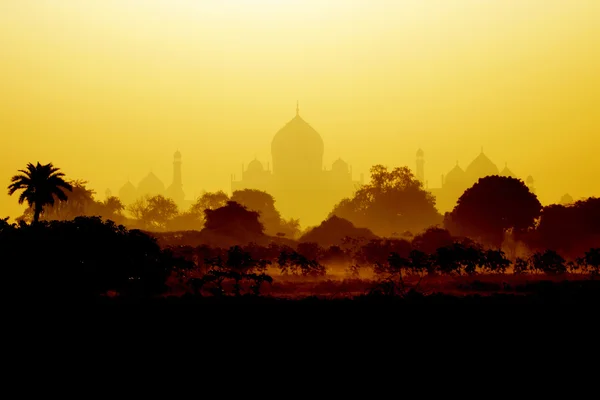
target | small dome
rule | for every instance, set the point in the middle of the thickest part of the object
(151, 185)
(339, 165)
(456, 175)
(255, 166)
(420, 153)
(481, 167)
(529, 180)
(507, 172)
(177, 155)
(128, 193)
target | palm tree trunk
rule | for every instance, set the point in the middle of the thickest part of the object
(36, 214)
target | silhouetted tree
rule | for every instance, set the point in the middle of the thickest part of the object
(153, 212)
(297, 264)
(492, 206)
(432, 239)
(233, 217)
(85, 257)
(334, 230)
(394, 201)
(113, 205)
(40, 184)
(521, 266)
(209, 201)
(310, 250)
(376, 252)
(548, 262)
(264, 203)
(79, 202)
(421, 262)
(570, 229)
(592, 261)
(495, 261)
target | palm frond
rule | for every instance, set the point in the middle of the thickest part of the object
(24, 196)
(60, 194)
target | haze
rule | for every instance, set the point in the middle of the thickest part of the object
(109, 90)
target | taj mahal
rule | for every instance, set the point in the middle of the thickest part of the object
(303, 188)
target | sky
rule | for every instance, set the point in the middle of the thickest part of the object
(108, 90)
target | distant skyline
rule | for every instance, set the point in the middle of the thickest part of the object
(109, 90)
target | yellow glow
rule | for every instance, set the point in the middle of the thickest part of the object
(108, 89)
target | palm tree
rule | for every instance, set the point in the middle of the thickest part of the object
(40, 184)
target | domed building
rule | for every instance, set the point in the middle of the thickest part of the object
(151, 185)
(481, 166)
(456, 177)
(301, 186)
(455, 182)
(297, 149)
(128, 193)
(507, 172)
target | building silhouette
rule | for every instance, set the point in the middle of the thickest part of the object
(457, 180)
(301, 186)
(151, 185)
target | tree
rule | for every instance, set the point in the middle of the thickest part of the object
(548, 262)
(209, 201)
(521, 266)
(333, 232)
(570, 229)
(85, 257)
(264, 203)
(113, 205)
(40, 185)
(394, 201)
(161, 210)
(494, 205)
(153, 212)
(592, 261)
(495, 261)
(80, 202)
(233, 217)
(432, 239)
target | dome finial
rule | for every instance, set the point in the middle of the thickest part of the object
(481, 149)
(297, 108)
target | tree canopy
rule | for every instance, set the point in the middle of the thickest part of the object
(393, 202)
(233, 217)
(40, 185)
(492, 206)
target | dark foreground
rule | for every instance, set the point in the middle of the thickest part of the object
(542, 292)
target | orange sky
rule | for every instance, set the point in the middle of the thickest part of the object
(107, 90)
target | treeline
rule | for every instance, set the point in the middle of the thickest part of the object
(82, 259)
(88, 258)
(390, 256)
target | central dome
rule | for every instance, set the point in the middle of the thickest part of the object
(297, 146)
(481, 167)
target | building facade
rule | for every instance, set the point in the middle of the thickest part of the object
(457, 180)
(301, 186)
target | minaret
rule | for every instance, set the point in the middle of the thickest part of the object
(175, 191)
(177, 182)
(420, 166)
